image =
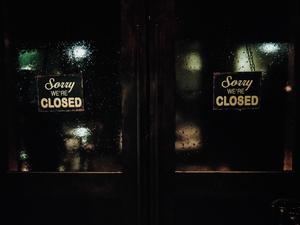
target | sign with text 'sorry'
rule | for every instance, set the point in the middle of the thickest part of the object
(237, 90)
(60, 93)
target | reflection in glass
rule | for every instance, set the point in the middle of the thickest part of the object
(269, 47)
(24, 161)
(188, 137)
(188, 69)
(193, 61)
(30, 59)
(262, 55)
(78, 53)
(288, 88)
(70, 141)
(208, 140)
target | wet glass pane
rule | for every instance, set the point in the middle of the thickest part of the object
(235, 99)
(55, 140)
(235, 138)
(68, 88)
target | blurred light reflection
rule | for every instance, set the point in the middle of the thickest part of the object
(269, 47)
(242, 60)
(288, 88)
(72, 144)
(29, 59)
(78, 51)
(193, 62)
(189, 137)
(288, 160)
(82, 132)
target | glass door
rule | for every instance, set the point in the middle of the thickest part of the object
(235, 83)
(226, 110)
(72, 74)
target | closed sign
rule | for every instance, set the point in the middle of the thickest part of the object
(60, 93)
(237, 90)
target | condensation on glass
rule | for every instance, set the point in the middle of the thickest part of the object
(69, 141)
(234, 140)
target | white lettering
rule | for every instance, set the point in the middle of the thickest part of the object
(62, 85)
(64, 102)
(229, 82)
(247, 100)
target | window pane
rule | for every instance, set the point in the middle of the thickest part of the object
(233, 138)
(235, 99)
(68, 88)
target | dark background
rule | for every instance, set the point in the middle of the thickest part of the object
(158, 194)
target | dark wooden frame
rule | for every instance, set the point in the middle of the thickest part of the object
(126, 186)
(170, 186)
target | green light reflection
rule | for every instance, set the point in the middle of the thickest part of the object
(30, 59)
